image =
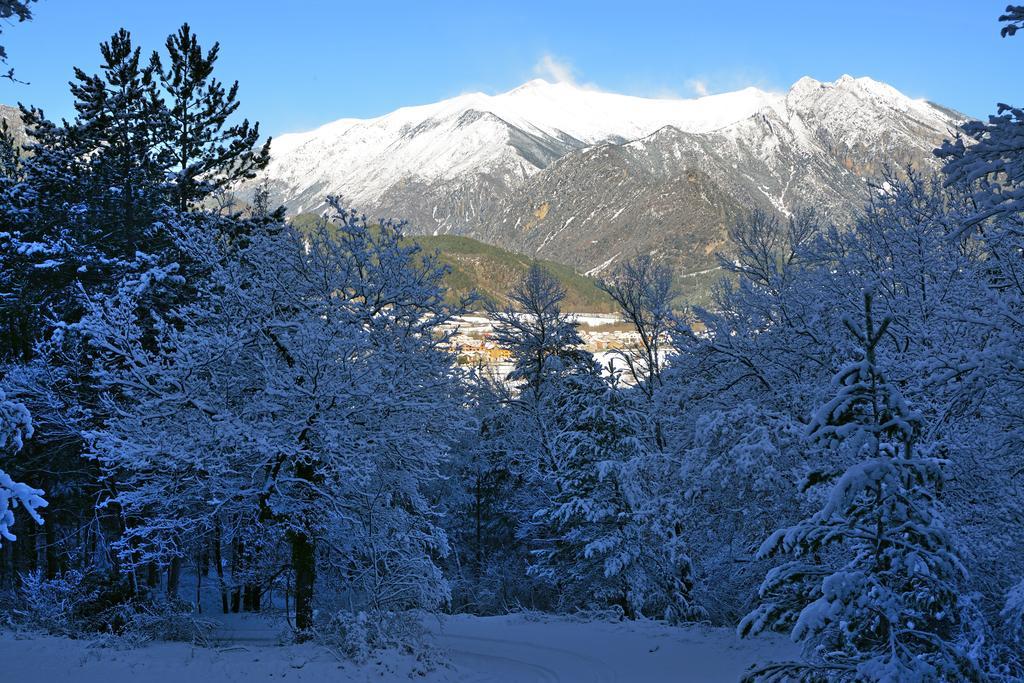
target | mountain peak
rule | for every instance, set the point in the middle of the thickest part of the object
(483, 144)
(534, 84)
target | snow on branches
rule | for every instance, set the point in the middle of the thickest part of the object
(890, 608)
(15, 427)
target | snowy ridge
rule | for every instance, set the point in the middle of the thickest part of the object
(557, 109)
(539, 168)
(361, 159)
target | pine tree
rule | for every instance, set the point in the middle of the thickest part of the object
(118, 114)
(83, 208)
(892, 610)
(86, 196)
(592, 543)
(202, 152)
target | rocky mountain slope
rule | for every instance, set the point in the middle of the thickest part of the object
(12, 117)
(586, 178)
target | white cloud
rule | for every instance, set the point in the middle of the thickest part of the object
(698, 86)
(554, 69)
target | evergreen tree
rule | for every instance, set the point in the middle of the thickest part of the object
(118, 116)
(200, 150)
(479, 500)
(892, 611)
(86, 196)
(593, 543)
(84, 207)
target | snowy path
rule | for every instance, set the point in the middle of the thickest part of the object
(525, 648)
(468, 649)
(494, 660)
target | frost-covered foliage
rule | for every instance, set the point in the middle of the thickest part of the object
(739, 482)
(15, 427)
(1013, 612)
(777, 336)
(593, 546)
(92, 605)
(86, 204)
(891, 608)
(302, 398)
(511, 468)
(568, 486)
(357, 635)
(988, 156)
(53, 605)
(990, 163)
(281, 409)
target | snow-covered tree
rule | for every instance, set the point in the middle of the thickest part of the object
(201, 152)
(644, 291)
(546, 352)
(83, 208)
(590, 542)
(15, 427)
(542, 339)
(480, 496)
(303, 397)
(892, 607)
(738, 484)
(992, 162)
(1013, 612)
(607, 532)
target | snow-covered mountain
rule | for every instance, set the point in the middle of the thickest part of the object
(586, 177)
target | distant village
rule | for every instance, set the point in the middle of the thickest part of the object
(603, 335)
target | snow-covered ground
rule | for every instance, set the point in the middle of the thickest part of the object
(522, 648)
(493, 649)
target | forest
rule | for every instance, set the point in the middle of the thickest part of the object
(194, 392)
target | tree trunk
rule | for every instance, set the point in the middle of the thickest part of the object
(236, 589)
(199, 589)
(173, 578)
(479, 532)
(251, 597)
(218, 563)
(304, 566)
(51, 547)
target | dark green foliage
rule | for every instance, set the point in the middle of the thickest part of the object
(83, 204)
(199, 149)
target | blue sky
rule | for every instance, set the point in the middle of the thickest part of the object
(303, 63)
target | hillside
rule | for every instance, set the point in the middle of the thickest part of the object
(589, 178)
(492, 271)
